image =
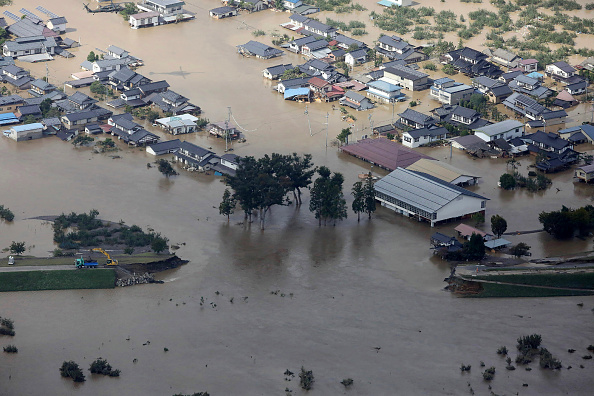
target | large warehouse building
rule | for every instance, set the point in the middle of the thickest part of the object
(417, 194)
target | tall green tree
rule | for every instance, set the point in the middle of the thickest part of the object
(343, 136)
(165, 168)
(327, 200)
(256, 186)
(17, 248)
(369, 195)
(92, 57)
(498, 225)
(227, 206)
(474, 249)
(294, 171)
(359, 199)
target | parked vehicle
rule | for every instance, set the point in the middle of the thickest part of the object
(81, 263)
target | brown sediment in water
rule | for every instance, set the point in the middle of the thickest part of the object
(355, 286)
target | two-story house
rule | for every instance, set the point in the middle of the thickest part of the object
(560, 71)
(413, 119)
(406, 77)
(506, 130)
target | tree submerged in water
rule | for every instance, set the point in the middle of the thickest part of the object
(327, 200)
(71, 370)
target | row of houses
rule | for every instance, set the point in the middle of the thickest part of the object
(194, 157)
(158, 12)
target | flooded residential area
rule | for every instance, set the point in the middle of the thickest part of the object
(362, 300)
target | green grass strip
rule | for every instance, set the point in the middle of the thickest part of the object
(575, 280)
(95, 278)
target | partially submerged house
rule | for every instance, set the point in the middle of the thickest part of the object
(356, 101)
(259, 50)
(184, 123)
(585, 173)
(530, 86)
(223, 12)
(472, 63)
(418, 137)
(414, 119)
(313, 26)
(225, 130)
(449, 91)
(504, 57)
(506, 130)
(382, 90)
(533, 110)
(33, 45)
(560, 71)
(26, 132)
(275, 72)
(427, 198)
(356, 57)
(79, 119)
(406, 77)
(17, 77)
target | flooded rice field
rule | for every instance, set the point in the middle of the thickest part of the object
(339, 292)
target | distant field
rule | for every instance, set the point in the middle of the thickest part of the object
(495, 290)
(57, 280)
(141, 258)
(576, 281)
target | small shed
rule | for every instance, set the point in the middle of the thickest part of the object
(495, 244)
(26, 132)
(466, 231)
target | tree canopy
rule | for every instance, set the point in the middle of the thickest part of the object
(498, 225)
(261, 183)
(165, 168)
(564, 223)
(327, 200)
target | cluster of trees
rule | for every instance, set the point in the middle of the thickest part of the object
(534, 182)
(166, 168)
(6, 326)
(88, 230)
(6, 214)
(100, 366)
(259, 184)
(129, 9)
(17, 248)
(71, 369)
(339, 6)
(92, 57)
(327, 200)
(364, 197)
(473, 249)
(564, 223)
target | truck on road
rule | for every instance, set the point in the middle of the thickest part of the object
(81, 263)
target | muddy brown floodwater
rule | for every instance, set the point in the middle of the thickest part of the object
(347, 289)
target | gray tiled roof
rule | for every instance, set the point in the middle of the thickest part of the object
(417, 117)
(406, 72)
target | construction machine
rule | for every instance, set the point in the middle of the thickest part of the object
(110, 261)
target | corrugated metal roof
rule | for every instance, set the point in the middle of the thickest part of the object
(438, 169)
(417, 190)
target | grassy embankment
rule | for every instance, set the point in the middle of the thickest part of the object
(142, 258)
(575, 280)
(57, 280)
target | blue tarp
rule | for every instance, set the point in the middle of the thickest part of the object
(386, 3)
(292, 92)
(535, 75)
(8, 118)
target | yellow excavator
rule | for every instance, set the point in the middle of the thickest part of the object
(110, 261)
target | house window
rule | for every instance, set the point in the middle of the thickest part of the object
(407, 139)
(483, 204)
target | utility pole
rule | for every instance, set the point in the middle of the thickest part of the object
(393, 112)
(371, 124)
(227, 126)
(308, 123)
(327, 115)
(46, 74)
